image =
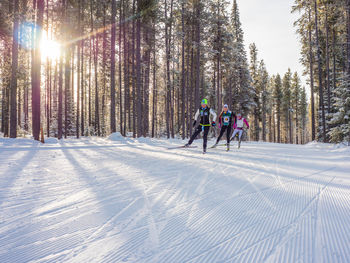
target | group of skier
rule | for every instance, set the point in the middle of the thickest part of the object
(227, 121)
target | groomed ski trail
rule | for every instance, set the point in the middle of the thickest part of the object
(132, 200)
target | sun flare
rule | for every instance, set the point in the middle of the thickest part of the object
(49, 48)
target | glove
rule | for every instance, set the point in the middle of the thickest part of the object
(213, 124)
(194, 123)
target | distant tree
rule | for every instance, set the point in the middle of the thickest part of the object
(278, 95)
(14, 72)
(295, 100)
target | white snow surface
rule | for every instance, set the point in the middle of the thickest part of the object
(133, 200)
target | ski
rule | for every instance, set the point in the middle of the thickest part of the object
(181, 147)
(219, 145)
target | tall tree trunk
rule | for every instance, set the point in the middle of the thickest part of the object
(183, 73)
(290, 114)
(171, 83)
(348, 46)
(26, 99)
(256, 124)
(25, 107)
(154, 89)
(218, 62)
(167, 65)
(37, 74)
(133, 73)
(82, 80)
(138, 71)
(188, 91)
(67, 79)
(32, 40)
(126, 54)
(112, 109)
(90, 62)
(278, 123)
(296, 123)
(270, 128)
(90, 84)
(78, 71)
(274, 126)
(48, 95)
(147, 63)
(121, 121)
(48, 76)
(334, 77)
(13, 99)
(264, 117)
(104, 77)
(60, 97)
(320, 75)
(6, 91)
(97, 107)
(198, 52)
(192, 100)
(313, 128)
(327, 63)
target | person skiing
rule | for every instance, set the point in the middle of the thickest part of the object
(204, 112)
(226, 119)
(238, 126)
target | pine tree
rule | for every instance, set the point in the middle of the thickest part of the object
(255, 79)
(324, 30)
(243, 91)
(14, 73)
(36, 75)
(113, 33)
(341, 118)
(278, 95)
(295, 101)
(287, 106)
(262, 87)
(303, 106)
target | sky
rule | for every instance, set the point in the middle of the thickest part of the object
(269, 24)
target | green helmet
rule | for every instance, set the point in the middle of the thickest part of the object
(204, 101)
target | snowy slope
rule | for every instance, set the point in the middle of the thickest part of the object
(126, 200)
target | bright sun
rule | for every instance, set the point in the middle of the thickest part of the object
(49, 48)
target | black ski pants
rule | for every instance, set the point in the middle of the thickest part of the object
(205, 135)
(222, 131)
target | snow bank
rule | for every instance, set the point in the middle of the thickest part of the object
(328, 146)
(116, 137)
(18, 141)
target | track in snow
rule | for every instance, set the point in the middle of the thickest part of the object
(98, 200)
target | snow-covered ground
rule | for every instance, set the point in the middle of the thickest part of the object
(126, 200)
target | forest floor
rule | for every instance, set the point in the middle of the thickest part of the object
(132, 200)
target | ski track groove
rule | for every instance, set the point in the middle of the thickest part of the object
(212, 239)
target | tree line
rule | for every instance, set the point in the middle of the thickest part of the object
(324, 29)
(139, 67)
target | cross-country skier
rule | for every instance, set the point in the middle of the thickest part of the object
(226, 119)
(204, 112)
(238, 125)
